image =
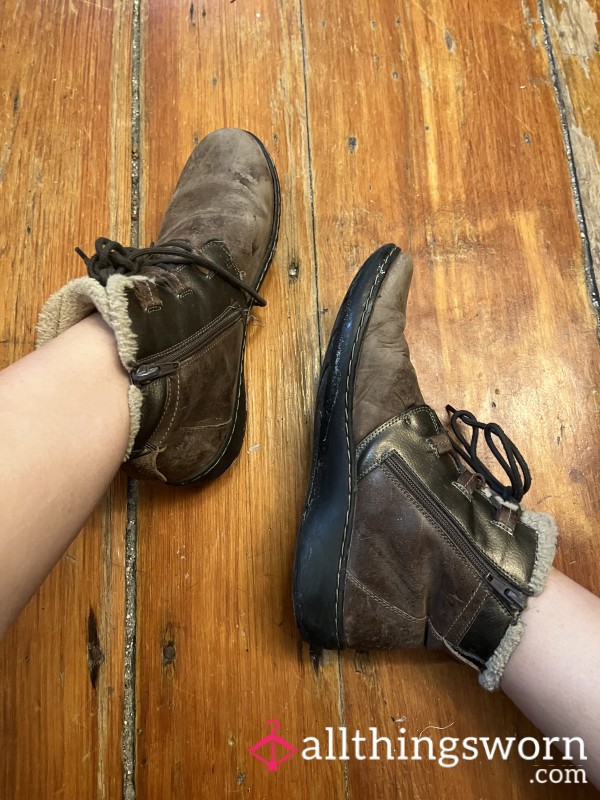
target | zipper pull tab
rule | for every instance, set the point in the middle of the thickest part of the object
(513, 596)
(146, 373)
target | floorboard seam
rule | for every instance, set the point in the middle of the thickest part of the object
(128, 739)
(310, 177)
(343, 723)
(319, 332)
(588, 263)
(128, 735)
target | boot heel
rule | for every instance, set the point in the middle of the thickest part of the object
(232, 448)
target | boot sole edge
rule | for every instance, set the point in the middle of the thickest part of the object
(326, 525)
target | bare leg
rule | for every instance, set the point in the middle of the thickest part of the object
(553, 675)
(64, 427)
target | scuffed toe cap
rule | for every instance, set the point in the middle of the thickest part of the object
(386, 382)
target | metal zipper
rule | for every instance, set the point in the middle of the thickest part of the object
(512, 597)
(143, 374)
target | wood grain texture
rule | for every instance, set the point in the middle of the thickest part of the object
(435, 125)
(426, 122)
(575, 34)
(64, 178)
(218, 651)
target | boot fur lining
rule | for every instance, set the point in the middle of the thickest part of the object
(135, 399)
(75, 301)
(490, 677)
(80, 298)
(545, 527)
(547, 531)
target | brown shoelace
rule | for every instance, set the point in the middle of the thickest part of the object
(113, 258)
(512, 462)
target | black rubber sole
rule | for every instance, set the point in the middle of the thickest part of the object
(326, 525)
(232, 446)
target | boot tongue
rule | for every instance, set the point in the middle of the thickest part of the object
(386, 382)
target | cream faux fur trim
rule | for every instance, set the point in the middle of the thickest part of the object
(75, 301)
(490, 677)
(547, 532)
(120, 321)
(545, 527)
(135, 399)
(80, 298)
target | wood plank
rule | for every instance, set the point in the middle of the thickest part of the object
(574, 27)
(64, 179)
(215, 563)
(434, 124)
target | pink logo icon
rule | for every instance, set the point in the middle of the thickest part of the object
(271, 740)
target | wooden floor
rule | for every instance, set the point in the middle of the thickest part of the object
(468, 133)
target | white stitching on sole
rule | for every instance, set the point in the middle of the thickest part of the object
(380, 272)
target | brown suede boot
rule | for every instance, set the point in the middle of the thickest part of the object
(401, 544)
(180, 307)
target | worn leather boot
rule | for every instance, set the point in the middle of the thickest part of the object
(179, 309)
(406, 538)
